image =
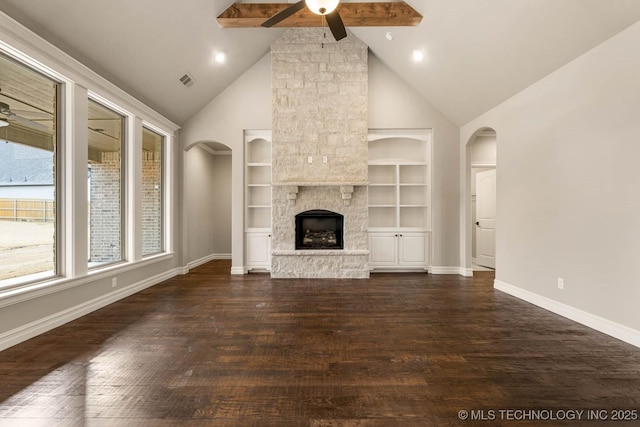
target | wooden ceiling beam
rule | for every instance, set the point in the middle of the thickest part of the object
(375, 14)
(21, 134)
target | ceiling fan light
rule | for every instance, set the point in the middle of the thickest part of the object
(322, 7)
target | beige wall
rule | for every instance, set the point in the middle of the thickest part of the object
(567, 187)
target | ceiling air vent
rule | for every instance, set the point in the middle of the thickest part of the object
(187, 80)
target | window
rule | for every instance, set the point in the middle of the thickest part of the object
(152, 189)
(105, 185)
(28, 140)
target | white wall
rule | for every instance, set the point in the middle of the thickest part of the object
(393, 104)
(567, 190)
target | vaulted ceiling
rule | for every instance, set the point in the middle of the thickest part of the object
(477, 52)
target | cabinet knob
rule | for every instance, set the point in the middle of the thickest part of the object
(396, 235)
(401, 235)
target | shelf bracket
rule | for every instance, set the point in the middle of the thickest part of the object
(347, 193)
(292, 194)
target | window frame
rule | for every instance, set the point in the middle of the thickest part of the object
(76, 82)
(60, 83)
(125, 173)
(163, 195)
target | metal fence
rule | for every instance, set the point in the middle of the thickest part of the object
(27, 210)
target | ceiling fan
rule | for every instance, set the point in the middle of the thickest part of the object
(13, 116)
(324, 8)
(305, 13)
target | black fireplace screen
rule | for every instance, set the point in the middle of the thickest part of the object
(319, 229)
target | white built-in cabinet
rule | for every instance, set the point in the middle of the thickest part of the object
(257, 199)
(399, 199)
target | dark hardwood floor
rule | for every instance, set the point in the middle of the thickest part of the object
(398, 350)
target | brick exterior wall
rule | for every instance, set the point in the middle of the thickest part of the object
(320, 98)
(105, 207)
(151, 202)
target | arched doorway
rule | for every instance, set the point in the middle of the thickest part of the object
(207, 202)
(480, 201)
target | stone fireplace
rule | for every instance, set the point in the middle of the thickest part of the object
(319, 151)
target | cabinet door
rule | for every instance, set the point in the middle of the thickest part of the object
(258, 250)
(413, 249)
(383, 249)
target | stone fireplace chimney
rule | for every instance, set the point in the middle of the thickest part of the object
(319, 149)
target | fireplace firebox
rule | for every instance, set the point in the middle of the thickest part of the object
(319, 229)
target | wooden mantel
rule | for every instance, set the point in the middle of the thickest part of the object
(375, 14)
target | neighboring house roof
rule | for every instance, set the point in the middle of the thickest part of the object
(24, 165)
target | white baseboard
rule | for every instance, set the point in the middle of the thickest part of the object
(444, 270)
(206, 259)
(40, 326)
(467, 272)
(239, 270)
(616, 330)
(461, 271)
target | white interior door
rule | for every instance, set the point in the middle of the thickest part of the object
(486, 218)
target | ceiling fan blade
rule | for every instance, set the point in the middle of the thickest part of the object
(336, 26)
(284, 14)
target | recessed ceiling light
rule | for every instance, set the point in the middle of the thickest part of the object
(220, 57)
(389, 35)
(417, 55)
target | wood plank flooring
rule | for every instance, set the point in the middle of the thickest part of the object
(398, 350)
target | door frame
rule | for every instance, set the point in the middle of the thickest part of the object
(466, 243)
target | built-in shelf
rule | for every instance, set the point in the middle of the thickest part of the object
(399, 197)
(258, 180)
(399, 179)
(258, 200)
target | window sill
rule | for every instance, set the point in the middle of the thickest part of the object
(28, 291)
